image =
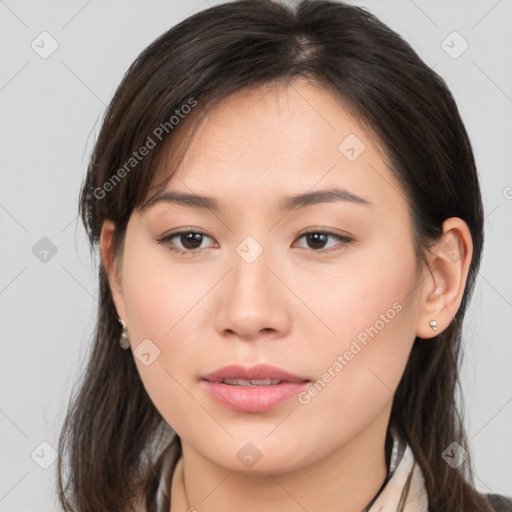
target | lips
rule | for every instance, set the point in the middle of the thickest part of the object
(253, 389)
(261, 374)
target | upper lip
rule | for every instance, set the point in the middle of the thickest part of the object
(256, 372)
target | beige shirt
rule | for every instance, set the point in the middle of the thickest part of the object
(404, 487)
(402, 491)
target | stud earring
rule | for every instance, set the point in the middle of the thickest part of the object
(124, 342)
(433, 324)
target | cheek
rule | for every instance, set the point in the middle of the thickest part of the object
(158, 295)
(371, 312)
(366, 294)
(158, 300)
(356, 383)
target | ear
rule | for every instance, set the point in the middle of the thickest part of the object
(112, 266)
(443, 286)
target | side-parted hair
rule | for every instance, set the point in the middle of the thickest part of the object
(113, 434)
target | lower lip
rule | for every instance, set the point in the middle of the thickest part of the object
(254, 398)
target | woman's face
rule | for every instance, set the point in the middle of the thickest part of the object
(339, 313)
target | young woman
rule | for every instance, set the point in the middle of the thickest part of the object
(290, 224)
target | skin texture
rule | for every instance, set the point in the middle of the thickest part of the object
(298, 306)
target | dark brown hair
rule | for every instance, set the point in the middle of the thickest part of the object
(112, 433)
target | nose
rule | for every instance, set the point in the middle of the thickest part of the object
(252, 300)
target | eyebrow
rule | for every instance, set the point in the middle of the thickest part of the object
(322, 196)
(290, 203)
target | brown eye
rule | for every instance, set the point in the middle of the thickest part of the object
(316, 240)
(188, 242)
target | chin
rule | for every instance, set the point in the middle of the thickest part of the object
(258, 457)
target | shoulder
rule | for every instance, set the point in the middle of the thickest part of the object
(499, 503)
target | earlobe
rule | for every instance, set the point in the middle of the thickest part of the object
(444, 285)
(111, 265)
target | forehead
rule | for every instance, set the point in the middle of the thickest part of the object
(282, 140)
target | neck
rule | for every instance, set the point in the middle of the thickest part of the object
(346, 479)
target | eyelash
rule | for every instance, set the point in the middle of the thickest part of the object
(343, 240)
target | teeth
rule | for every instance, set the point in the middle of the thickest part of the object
(258, 382)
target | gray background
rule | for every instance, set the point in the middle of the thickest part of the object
(51, 110)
